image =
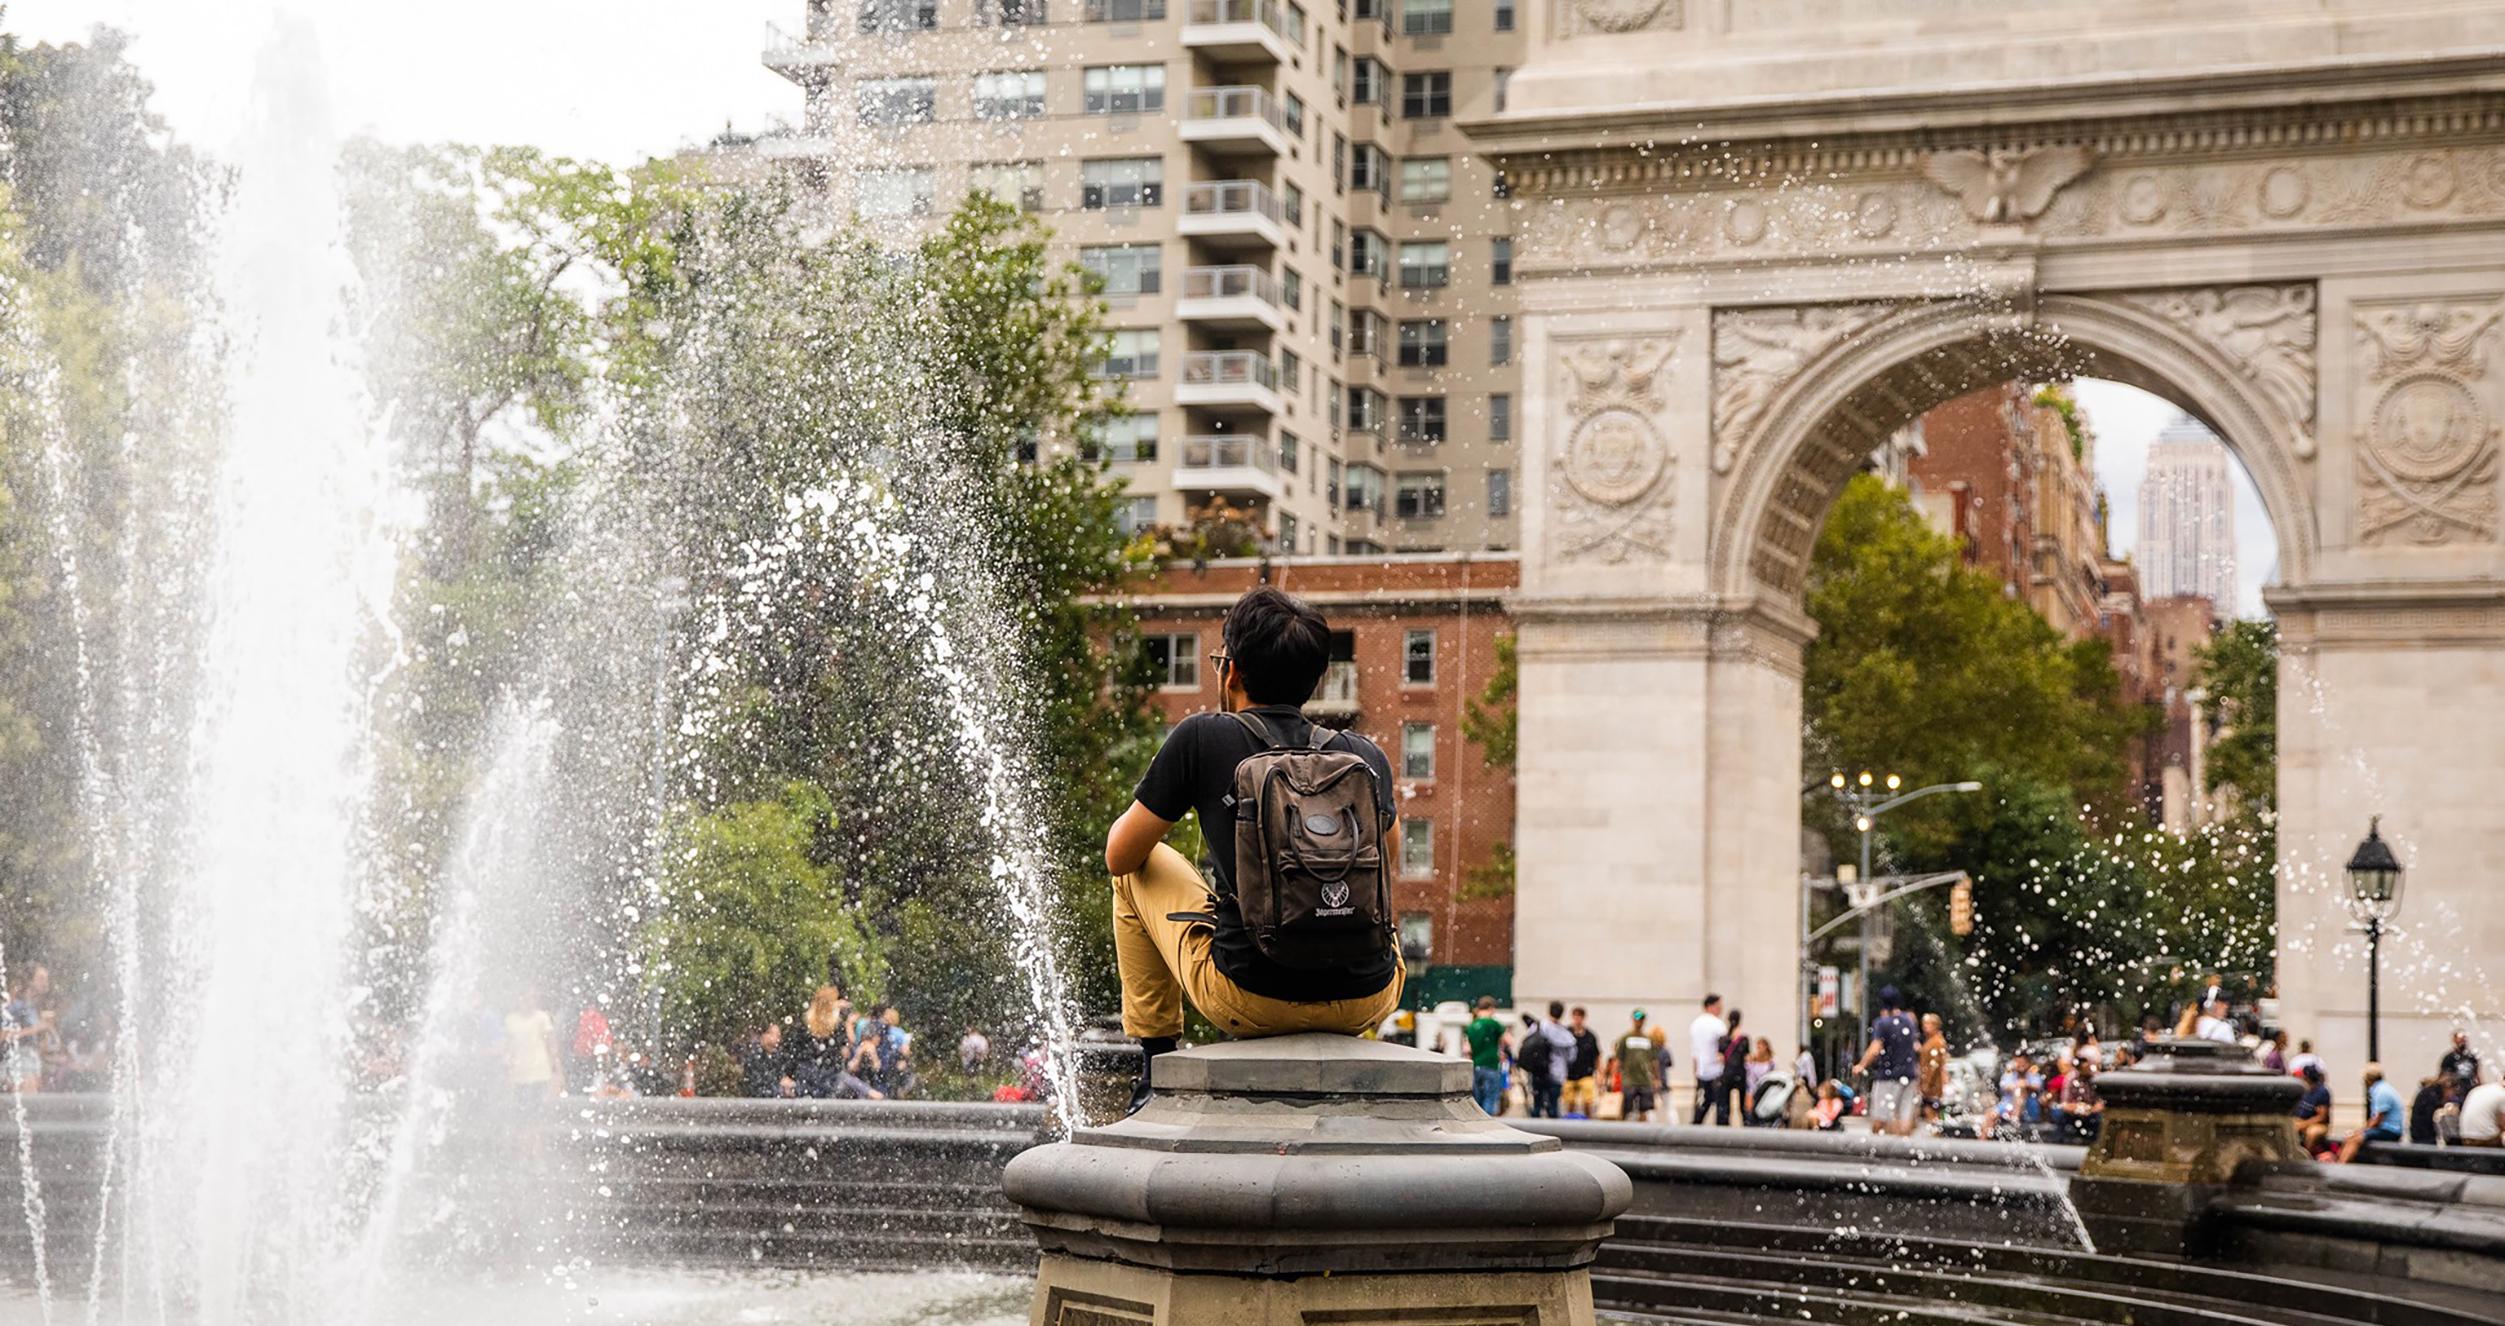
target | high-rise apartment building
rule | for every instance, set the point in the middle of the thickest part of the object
(1308, 272)
(2187, 519)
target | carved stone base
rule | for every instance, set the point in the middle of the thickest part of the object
(1077, 1291)
(2181, 1129)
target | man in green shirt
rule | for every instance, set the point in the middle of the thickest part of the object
(1489, 1044)
(1641, 1058)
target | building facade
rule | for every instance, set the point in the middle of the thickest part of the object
(1309, 275)
(2009, 473)
(1414, 641)
(2187, 518)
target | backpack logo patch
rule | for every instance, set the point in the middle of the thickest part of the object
(1335, 896)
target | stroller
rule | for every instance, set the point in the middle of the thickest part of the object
(1778, 1102)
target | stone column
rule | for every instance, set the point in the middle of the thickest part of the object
(1313, 1178)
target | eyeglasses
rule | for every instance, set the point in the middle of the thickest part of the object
(1219, 658)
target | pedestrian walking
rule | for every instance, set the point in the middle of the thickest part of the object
(1547, 1050)
(1931, 1082)
(1488, 1047)
(1892, 1060)
(1705, 1036)
(1642, 1059)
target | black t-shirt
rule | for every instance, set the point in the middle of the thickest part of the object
(1195, 771)
(1900, 1054)
(1586, 1060)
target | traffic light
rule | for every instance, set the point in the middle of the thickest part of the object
(1961, 907)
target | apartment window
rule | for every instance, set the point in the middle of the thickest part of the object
(1292, 202)
(1417, 937)
(1417, 750)
(1125, 89)
(1126, 269)
(1121, 182)
(1426, 179)
(1336, 410)
(1010, 13)
(1500, 492)
(1339, 329)
(1339, 163)
(1423, 343)
(1015, 94)
(1291, 367)
(1020, 184)
(1504, 87)
(1500, 260)
(1365, 410)
(1130, 353)
(1291, 452)
(1421, 418)
(1427, 96)
(1417, 647)
(1330, 493)
(1294, 108)
(1296, 21)
(1125, 11)
(1372, 83)
(1500, 418)
(1369, 167)
(1372, 9)
(895, 100)
(1135, 514)
(1418, 497)
(899, 15)
(1292, 290)
(1425, 265)
(1174, 660)
(1132, 437)
(897, 191)
(1500, 340)
(1426, 18)
(1417, 848)
(1365, 488)
(1339, 73)
(1287, 531)
(1504, 18)
(1368, 254)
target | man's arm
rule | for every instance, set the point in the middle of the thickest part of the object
(1132, 838)
(1868, 1057)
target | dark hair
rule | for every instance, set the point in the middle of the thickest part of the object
(1556, 1008)
(1712, 999)
(2312, 1073)
(1278, 645)
(1890, 998)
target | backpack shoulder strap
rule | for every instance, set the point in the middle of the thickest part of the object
(1258, 726)
(1320, 737)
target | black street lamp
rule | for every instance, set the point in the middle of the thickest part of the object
(2374, 885)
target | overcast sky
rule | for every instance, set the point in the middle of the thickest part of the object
(617, 79)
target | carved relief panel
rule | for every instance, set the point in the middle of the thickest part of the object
(1597, 18)
(1610, 492)
(2425, 427)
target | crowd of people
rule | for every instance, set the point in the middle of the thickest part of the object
(51, 1041)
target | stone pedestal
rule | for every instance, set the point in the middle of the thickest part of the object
(2179, 1130)
(1304, 1179)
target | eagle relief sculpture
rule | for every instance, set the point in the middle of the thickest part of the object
(2005, 186)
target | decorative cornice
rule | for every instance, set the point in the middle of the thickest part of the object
(1638, 166)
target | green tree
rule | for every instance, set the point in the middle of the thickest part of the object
(2240, 671)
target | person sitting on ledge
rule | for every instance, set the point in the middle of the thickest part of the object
(1323, 956)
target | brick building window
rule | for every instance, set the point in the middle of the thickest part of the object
(1417, 657)
(1174, 660)
(1417, 848)
(1417, 750)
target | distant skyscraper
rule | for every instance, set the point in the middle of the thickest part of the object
(2187, 518)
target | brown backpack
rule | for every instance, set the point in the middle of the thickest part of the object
(1310, 877)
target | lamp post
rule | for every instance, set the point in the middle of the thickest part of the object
(2374, 887)
(1868, 797)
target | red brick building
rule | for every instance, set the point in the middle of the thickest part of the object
(1414, 639)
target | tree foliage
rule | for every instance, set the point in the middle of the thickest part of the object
(2240, 670)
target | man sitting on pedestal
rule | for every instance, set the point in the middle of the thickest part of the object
(1295, 932)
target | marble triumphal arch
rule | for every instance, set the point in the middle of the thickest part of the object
(1757, 236)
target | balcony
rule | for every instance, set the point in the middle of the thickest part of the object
(1241, 30)
(1231, 299)
(1336, 697)
(1237, 121)
(802, 56)
(1228, 379)
(1233, 214)
(1238, 464)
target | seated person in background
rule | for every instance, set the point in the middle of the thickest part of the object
(2021, 1102)
(1314, 950)
(1828, 1114)
(2313, 1110)
(2482, 1120)
(2082, 1109)
(2385, 1115)
(2424, 1106)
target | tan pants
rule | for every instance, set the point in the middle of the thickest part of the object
(1581, 1096)
(1165, 961)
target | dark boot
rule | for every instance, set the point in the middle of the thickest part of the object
(1149, 1048)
